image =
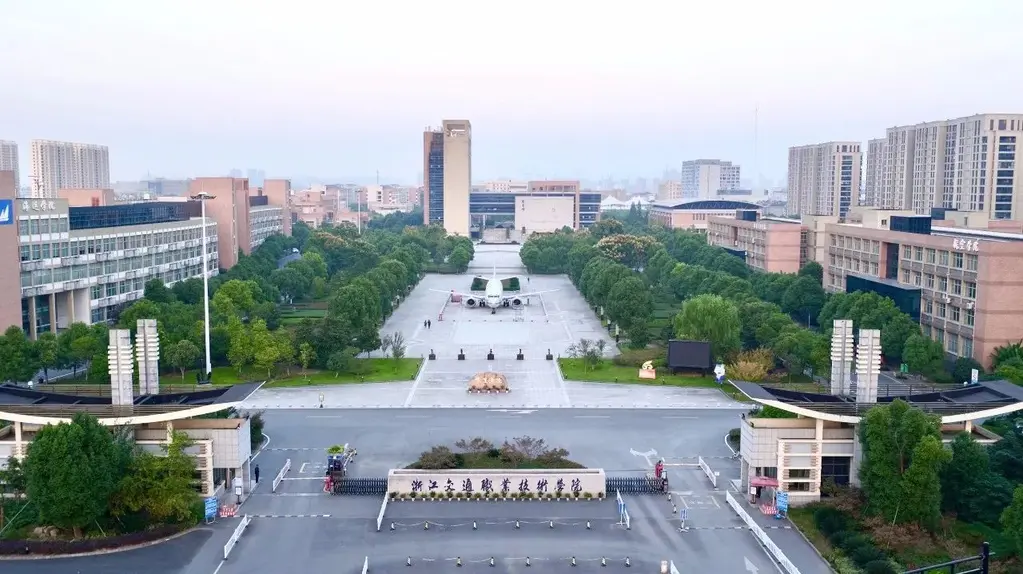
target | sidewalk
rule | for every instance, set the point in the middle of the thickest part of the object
(788, 538)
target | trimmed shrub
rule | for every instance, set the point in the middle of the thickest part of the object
(866, 554)
(879, 567)
(831, 520)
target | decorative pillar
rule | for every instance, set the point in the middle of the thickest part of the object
(19, 450)
(121, 366)
(53, 313)
(841, 357)
(868, 365)
(147, 349)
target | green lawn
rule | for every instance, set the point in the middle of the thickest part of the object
(376, 370)
(608, 372)
(304, 313)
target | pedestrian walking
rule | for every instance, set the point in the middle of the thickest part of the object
(256, 473)
(429, 324)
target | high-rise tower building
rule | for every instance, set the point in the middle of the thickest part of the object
(67, 165)
(704, 178)
(447, 169)
(9, 161)
(824, 179)
(965, 164)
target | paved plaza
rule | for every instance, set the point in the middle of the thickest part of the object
(549, 322)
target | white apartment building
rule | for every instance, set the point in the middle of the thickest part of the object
(669, 190)
(824, 179)
(264, 221)
(704, 178)
(966, 164)
(60, 165)
(84, 264)
(873, 175)
(9, 161)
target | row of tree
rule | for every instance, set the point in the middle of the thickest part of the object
(82, 475)
(724, 302)
(909, 477)
(360, 277)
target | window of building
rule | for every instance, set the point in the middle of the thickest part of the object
(943, 284)
(957, 287)
(952, 344)
(873, 269)
(957, 260)
(939, 336)
(834, 240)
(858, 244)
(929, 307)
(929, 281)
(907, 252)
(836, 468)
(971, 262)
(798, 473)
(931, 255)
(942, 309)
(926, 329)
(971, 290)
(905, 275)
(918, 253)
(798, 486)
(969, 317)
(916, 278)
(943, 258)
(953, 313)
(967, 347)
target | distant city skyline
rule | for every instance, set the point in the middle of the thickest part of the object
(341, 102)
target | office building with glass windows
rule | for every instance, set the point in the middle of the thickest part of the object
(543, 207)
(447, 176)
(85, 264)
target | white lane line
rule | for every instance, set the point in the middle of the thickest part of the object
(301, 469)
(219, 566)
(415, 384)
(325, 417)
(303, 478)
(262, 447)
(412, 416)
(591, 417)
(680, 418)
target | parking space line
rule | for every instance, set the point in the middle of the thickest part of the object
(301, 469)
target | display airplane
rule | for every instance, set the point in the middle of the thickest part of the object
(494, 295)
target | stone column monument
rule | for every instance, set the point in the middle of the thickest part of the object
(868, 365)
(841, 357)
(147, 349)
(121, 365)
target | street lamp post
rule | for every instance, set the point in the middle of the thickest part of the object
(201, 198)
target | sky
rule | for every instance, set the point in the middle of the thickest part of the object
(554, 89)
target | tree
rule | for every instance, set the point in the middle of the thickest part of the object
(159, 486)
(629, 250)
(47, 350)
(183, 355)
(459, 259)
(796, 348)
(306, 356)
(266, 349)
(713, 319)
(962, 369)
(591, 352)
(18, 361)
(814, 271)
(968, 486)
(240, 353)
(921, 484)
(72, 470)
(890, 435)
(1012, 521)
(924, 355)
(630, 305)
(396, 343)
(803, 299)
(157, 292)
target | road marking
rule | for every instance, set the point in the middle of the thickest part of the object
(413, 416)
(301, 469)
(262, 447)
(219, 566)
(303, 478)
(415, 384)
(646, 455)
(325, 417)
(591, 417)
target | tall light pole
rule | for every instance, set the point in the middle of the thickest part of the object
(201, 197)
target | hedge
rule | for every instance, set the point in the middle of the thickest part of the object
(839, 527)
(58, 547)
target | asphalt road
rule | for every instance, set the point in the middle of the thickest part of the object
(301, 529)
(323, 532)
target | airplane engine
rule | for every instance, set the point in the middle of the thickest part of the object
(470, 302)
(516, 302)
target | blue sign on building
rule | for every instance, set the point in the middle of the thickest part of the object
(211, 507)
(6, 211)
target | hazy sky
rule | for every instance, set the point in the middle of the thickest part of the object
(554, 89)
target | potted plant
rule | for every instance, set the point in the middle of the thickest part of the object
(394, 495)
(588, 495)
(550, 496)
(600, 495)
(477, 496)
(576, 494)
(433, 494)
(449, 494)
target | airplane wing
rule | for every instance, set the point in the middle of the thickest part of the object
(530, 294)
(456, 293)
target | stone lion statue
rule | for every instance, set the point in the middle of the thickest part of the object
(488, 381)
(648, 366)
